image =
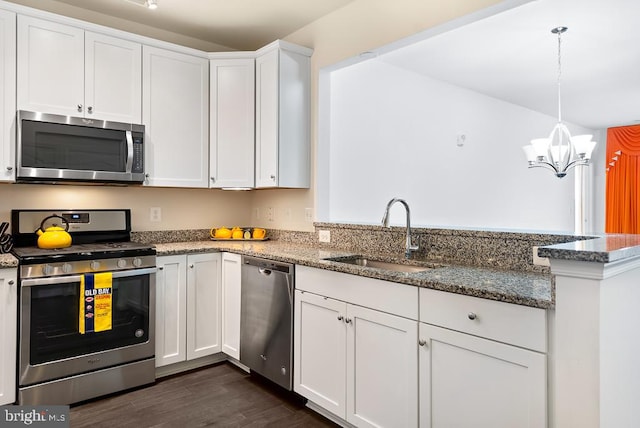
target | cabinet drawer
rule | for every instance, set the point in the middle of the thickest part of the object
(504, 322)
(385, 296)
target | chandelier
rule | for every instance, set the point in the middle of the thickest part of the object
(560, 151)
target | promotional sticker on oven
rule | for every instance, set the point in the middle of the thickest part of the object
(95, 302)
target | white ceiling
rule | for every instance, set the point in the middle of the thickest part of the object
(236, 24)
(513, 56)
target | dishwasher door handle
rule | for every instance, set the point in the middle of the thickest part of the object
(265, 272)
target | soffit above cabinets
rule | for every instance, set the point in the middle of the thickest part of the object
(237, 25)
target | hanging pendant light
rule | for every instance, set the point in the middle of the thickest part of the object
(560, 151)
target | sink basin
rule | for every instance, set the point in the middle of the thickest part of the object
(377, 264)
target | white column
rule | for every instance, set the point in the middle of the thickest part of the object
(595, 348)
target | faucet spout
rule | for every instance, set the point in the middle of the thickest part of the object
(409, 247)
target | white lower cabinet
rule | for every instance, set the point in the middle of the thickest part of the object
(187, 307)
(8, 328)
(358, 363)
(231, 296)
(469, 380)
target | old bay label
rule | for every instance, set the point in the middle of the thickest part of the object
(96, 303)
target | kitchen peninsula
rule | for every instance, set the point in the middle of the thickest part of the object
(589, 300)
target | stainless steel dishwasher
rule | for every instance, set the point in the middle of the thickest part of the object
(266, 329)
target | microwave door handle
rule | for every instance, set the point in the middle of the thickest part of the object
(129, 151)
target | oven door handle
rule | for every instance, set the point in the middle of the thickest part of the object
(76, 278)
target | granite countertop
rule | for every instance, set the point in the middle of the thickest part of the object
(522, 288)
(604, 249)
(8, 261)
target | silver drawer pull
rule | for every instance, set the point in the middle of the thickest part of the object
(347, 320)
(472, 316)
(340, 317)
(422, 342)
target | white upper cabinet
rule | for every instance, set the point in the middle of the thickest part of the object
(282, 115)
(113, 78)
(175, 98)
(65, 70)
(7, 94)
(232, 112)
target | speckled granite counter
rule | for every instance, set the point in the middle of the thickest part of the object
(523, 288)
(8, 261)
(605, 249)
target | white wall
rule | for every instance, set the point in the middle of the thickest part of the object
(393, 133)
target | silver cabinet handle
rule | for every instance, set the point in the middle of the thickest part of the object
(213, 179)
(347, 320)
(90, 109)
(191, 266)
(79, 107)
(340, 317)
(273, 177)
(9, 168)
(422, 342)
(472, 316)
(160, 267)
(10, 282)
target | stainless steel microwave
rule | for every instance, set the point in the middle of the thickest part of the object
(54, 148)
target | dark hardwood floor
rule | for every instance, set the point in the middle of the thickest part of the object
(221, 395)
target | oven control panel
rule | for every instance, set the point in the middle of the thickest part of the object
(86, 266)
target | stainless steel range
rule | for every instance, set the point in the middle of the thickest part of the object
(86, 312)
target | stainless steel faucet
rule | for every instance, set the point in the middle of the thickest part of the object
(409, 247)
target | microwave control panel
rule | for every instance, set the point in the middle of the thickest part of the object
(138, 155)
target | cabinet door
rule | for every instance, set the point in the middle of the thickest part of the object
(467, 381)
(203, 303)
(113, 79)
(267, 104)
(282, 116)
(232, 110)
(319, 351)
(171, 305)
(382, 369)
(175, 98)
(50, 67)
(231, 297)
(7, 94)
(8, 328)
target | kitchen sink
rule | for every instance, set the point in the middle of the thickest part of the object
(378, 264)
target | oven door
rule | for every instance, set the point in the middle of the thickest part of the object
(51, 345)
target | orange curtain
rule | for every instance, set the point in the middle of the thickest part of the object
(623, 180)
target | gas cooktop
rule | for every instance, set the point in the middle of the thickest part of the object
(96, 234)
(98, 250)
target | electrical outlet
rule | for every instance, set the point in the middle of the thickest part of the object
(540, 261)
(270, 213)
(287, 214)
(324, 236)
(308, 215)
(155, 214)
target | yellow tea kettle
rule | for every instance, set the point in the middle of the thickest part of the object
(54, 236)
